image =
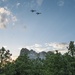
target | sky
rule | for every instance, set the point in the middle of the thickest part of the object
(20, 28)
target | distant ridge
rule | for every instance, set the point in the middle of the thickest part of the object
(32, 54)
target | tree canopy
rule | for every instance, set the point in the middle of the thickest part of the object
(53, 64)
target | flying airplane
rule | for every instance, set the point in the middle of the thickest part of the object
(38, 13)
(33, 10)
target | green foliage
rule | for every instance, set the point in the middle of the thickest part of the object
(71, 49)
(5, 57)
(2, 74)
(23, 65)
(54, 64)
(10, 69)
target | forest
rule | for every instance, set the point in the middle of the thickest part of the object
(54, 64)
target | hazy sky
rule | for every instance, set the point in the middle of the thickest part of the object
(53, 29)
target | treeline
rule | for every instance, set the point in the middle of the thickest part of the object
(54, 64)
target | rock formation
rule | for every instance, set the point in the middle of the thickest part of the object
(32, 54)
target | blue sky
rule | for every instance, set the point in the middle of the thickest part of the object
(53, 29)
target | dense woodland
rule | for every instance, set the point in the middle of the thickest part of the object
(54, 64)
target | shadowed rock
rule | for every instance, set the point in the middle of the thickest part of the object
(34, 55)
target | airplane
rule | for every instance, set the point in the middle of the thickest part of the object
(38, 13)
(33, 10)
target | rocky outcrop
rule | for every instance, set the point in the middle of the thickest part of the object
(32, 54)
(42, 55)
(24, 51)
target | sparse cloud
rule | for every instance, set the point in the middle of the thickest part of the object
(36, 47)
(61, 47)
(5, 46)
(25, 27)
(60, 3)
(57, 46)
(18, 4)
(39, 2)
(33, 4)
(4, 0)
(14, 19)
(6, 17)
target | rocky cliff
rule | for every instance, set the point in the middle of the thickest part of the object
(32, 54)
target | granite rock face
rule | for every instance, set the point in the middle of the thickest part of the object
(32, 54)
(24, 51)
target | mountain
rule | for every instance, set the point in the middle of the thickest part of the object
(32, 54)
